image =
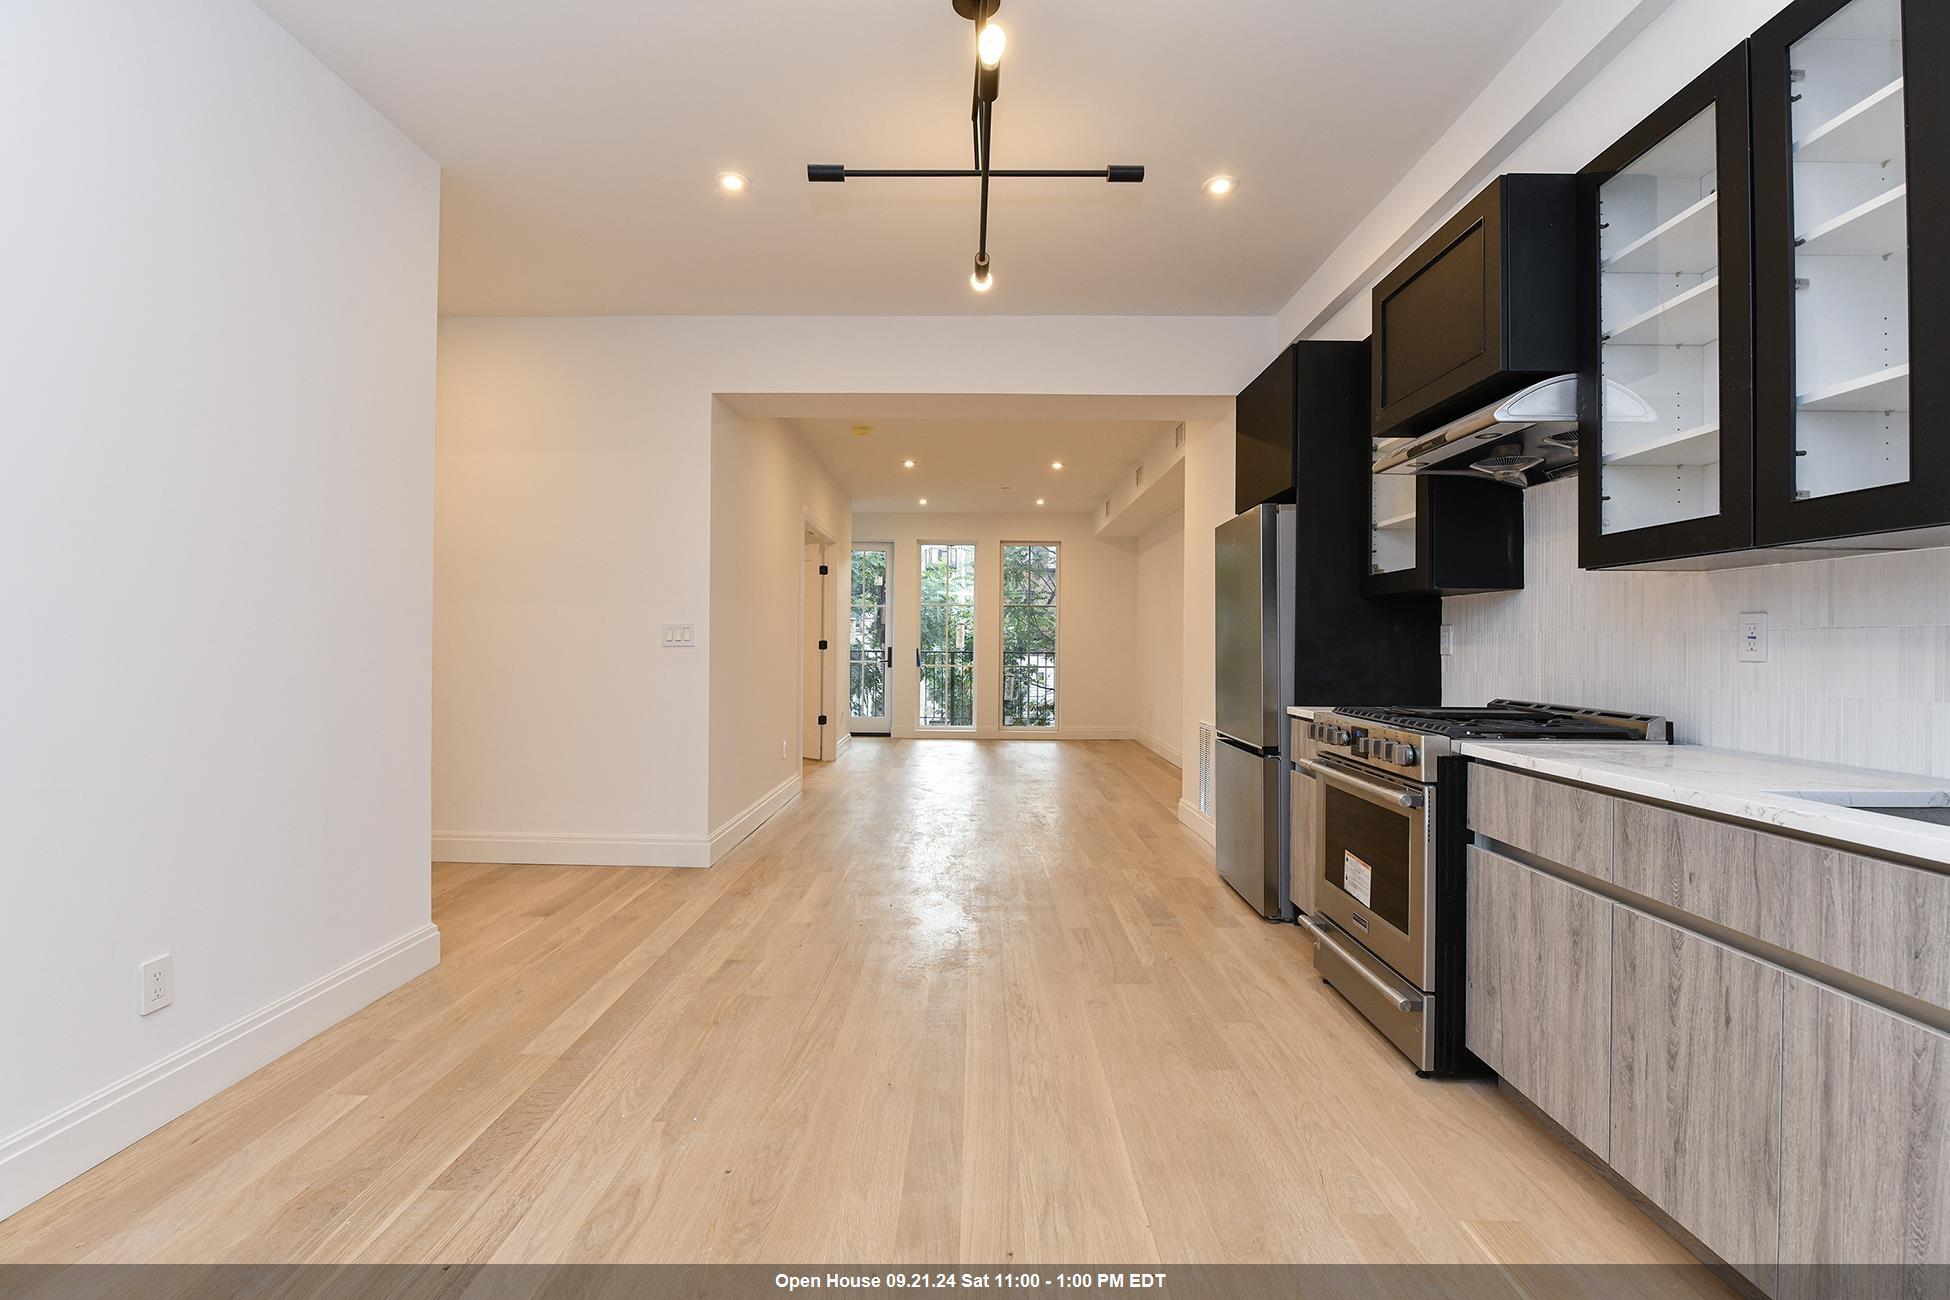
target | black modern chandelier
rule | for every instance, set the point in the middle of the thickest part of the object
(989, 41)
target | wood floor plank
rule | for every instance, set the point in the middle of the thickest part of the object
(960, 1002)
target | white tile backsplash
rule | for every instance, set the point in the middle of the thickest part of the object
(1858, 667)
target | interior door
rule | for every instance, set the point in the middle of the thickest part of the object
(869, 653)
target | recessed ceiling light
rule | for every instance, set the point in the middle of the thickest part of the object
(907, 464)
(1039, 501)
(1220, 186)
(733, 182)
(924, 500)
(1056, 464)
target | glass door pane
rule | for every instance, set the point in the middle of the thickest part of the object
(1851, 253)
(946, 657)
(1028, 635)
(868, 654)
(1659, 320)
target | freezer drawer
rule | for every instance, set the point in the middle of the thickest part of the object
(1252, 811)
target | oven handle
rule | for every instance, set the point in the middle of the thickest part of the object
(1381, 986)
(1386, 793)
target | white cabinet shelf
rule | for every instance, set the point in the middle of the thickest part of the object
(1885, 390)
(1870, 130)
(1877, 228)
(1690, 319)
(1697, 446)
(1688, 242)
(1396, 523)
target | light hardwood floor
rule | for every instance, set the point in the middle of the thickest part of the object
(963, 1001)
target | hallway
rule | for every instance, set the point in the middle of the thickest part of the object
(976, 1001)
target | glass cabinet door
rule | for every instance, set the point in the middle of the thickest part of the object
(1837, 127)
(1667, 453)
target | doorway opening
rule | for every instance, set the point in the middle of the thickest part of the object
(818, 727)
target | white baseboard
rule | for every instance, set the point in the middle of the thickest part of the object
(1201, 825)
(1167, 752)
(1016, 733)
(567, 850)
(846, 741)
(38, 1159)
(726, 837)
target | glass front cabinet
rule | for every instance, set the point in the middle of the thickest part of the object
(1848, 288)
(1667, 332)
(1753, 278)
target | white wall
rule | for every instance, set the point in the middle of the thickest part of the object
(1160, 637)
(575, 514)
(765, 485)
(1208, 503)
(215, 559)
(1095, 622)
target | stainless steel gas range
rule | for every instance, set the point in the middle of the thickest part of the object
(1388, 857)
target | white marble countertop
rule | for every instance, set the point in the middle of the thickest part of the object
(1747, 787)
(1306, 711)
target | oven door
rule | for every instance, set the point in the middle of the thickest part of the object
(1372, 864)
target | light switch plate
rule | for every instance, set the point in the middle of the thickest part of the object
(680, 636)
(1445, 640)
(1752, 632)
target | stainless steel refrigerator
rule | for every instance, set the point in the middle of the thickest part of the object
(1254, 590)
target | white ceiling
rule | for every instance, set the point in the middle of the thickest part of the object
(580, 139)
(980, 466)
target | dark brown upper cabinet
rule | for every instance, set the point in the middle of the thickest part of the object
(1485, 307)
(1665, 333)
(1263, 448)
(1851, 112)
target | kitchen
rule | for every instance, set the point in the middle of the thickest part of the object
(1703, 939)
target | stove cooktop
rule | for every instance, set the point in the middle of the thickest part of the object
(1508, 720)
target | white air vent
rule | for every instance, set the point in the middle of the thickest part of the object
(1205, 740)
(1178, 435)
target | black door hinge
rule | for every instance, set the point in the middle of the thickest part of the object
(823, 570)
(822, 719)
(822, 645)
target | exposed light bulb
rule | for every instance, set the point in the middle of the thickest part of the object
(1039, 501)
(981, 280)
(924, 500)
(907, 464)
(990, 43)
(1056, 464)
(1220, 186)
(732, 183)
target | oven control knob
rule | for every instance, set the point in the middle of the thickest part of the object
(1407, 755)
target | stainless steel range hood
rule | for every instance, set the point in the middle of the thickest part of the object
(1524, 439)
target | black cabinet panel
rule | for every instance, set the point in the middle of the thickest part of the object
(1263, 449)
(1851, 114)
(1348, 645)
(1486, 306)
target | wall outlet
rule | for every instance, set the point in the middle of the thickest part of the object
(158, 984)
(1445, 640)
(679, 635)
(1752, 630)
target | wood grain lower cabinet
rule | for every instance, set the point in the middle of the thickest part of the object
(1866, 1149)
(1539, 991)
(1696, 1087)
(1560, 823)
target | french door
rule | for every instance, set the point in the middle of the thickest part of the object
(946, 656)
(869, 654)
